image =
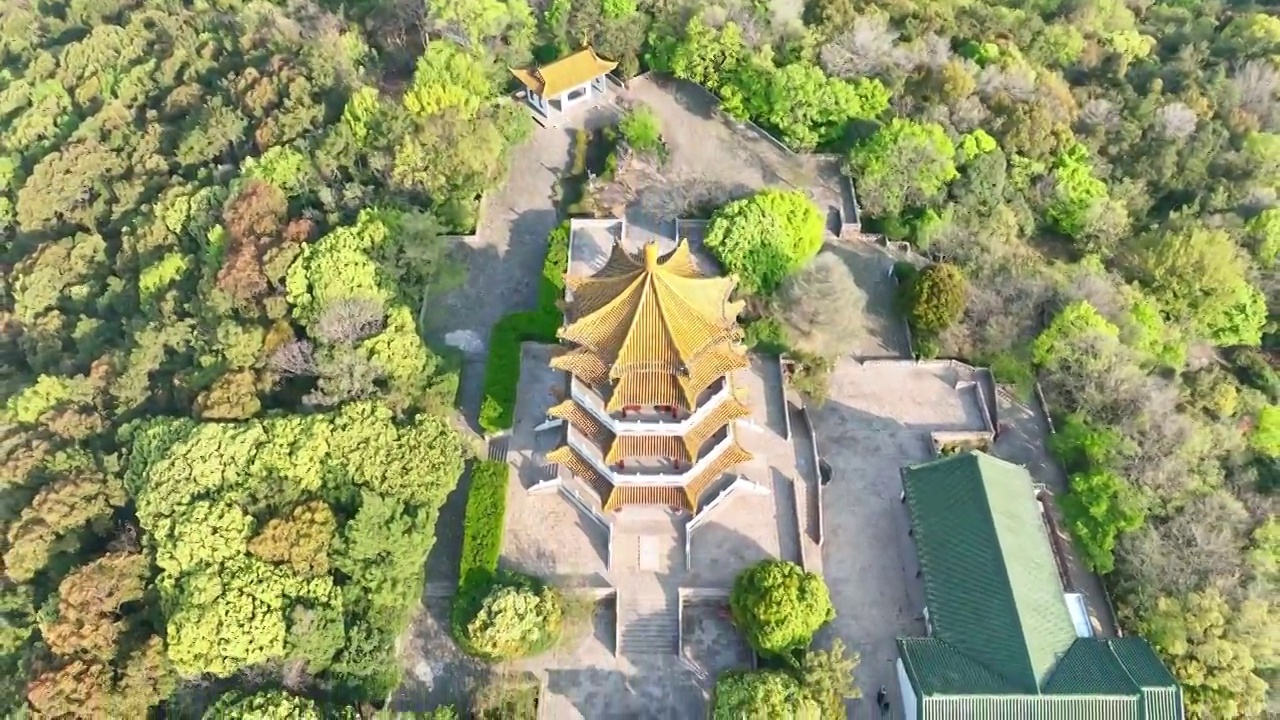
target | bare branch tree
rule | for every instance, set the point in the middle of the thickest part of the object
(296, 357)
(1017, 83)
(349, 320)
(866, 48)
(1256, 83)
(969, 114)
(1099, 113)
(1177, 120)
(823, 306)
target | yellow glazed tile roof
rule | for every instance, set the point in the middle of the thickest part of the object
(624, 495)
(670, 447)
(566, 73)
(698, 485)
(655, 324)
(583, 470)
(582, 421)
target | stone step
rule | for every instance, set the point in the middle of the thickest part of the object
(648, 625)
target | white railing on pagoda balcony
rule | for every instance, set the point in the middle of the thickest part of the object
(588, 399)
(591, 453)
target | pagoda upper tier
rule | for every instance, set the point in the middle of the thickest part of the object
(651, 331)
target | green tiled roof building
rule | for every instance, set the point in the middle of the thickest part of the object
(1002, 643)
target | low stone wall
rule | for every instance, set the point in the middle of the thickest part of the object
(786, 403)
(797, 499)
(817, 468)
(961, 440)
(850, 213)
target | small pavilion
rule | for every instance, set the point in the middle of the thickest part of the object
(572, 81)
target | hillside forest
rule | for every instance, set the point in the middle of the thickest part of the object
(224, 442)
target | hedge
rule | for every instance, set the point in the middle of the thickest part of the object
(502, 371)
(481, 534)
(484, 520)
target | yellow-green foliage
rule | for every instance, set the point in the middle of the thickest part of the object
(48, 393)
(199, 487)
(340, 265)
(162, 274)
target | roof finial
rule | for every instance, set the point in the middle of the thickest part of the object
(650, 256)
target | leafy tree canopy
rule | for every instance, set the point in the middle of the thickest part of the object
(905, 164)
(779, 606)
(765, 237)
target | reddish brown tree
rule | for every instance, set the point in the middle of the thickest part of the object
(254, 220)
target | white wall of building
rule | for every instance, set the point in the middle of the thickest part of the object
(909, 709)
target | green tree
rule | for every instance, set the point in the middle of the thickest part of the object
(1099, 508)
(1209, 647)
(1076, 192)
(905, 164)
(1264, 235)
(827, 678)
(765, 237)
(803, 104)
(517, 617)
(449, 78)
(1200, 278)
(761, 694)
(704, 55)
(935, 299)
(1265, 439)
(779, 606)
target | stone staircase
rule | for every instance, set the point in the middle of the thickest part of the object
(648, 622)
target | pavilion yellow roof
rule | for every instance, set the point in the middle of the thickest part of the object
(566, 73)
(656, 325)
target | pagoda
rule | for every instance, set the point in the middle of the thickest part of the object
(650, 410)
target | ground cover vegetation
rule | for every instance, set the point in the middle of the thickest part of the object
(223, 439)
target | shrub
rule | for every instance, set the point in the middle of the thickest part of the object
(810, 375)
(518, 616)
(827, 678)
(778, 607)
(237, 705)
(506, 696)
(935, 299)
(765, 237)
(502, 371)
(641, 130)
(761, 694)
(905, 272)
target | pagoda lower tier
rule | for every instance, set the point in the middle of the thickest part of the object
(646, 462)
